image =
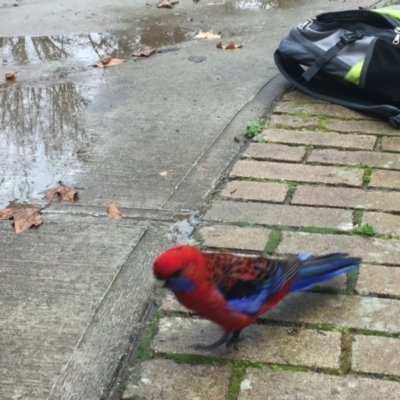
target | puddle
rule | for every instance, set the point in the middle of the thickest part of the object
(183, 228)
(42, 138)
(86, 48)
(266, 4)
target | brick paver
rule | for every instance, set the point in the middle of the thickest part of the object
(346, 197)
(318, 138)
(258, 191)
(270, 151)
(167, 380)
(379, 279)
(375, 354)
(371, 158)
(267, 384)
(385, 179)
(339, 340)
(234, 237)
(297, 172)
(277, 214)
(391, 144)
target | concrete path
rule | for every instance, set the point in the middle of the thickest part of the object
(74, 293)
(311, 181)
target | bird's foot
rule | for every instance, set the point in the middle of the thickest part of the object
(231, 341)
(234, 339)
(223, 339)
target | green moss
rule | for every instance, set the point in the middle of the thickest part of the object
(309, 147)
(367, 174)
(253, 128)
(357, 217)
(241, 224)
(148, 334)
(273, 242)
(345, 356)
(316, 229)
(291, 190)
(280, 367)
(194, 359)
(365, 230)
(352, 277)
(323, 121)
(235, 381)
(299, 114)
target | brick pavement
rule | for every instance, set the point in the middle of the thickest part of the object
(306, 183)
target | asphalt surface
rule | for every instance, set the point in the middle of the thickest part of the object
(74, 290)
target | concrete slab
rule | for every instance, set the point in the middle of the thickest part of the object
(53, 280)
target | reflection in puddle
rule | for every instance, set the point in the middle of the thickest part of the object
(266, 4)
(86, 48)
(42, 138)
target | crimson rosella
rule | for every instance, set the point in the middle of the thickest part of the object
(234, 291)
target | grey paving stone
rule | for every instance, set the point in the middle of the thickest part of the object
(279, 214)
(259, 191)
(267, 384)
(357, 312)
(376, 355)
(379, 279)
(287, 121)
(297, 172)
(271, 344)
(327, 110)
(370, 249)
(371, 158)
(279, 152)
(320, 138)
(167, 380)
(385, 179)
(391, 144)
(364, 127)
(347, 197)
(233, 237)
(383, 222)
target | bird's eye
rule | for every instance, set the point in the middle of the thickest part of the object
(176, 273)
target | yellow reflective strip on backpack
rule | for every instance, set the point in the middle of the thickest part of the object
(392, 13)
(353, 74)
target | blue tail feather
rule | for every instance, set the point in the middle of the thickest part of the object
(316, 270)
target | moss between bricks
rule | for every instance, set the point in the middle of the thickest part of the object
(273, 242)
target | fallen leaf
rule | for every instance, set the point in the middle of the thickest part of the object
(24, 217)
(105, 59)
(144, 52)
(163, 173)
(229, 46)
(207, 35)
(62, 192)
(167, 3)
(113, 212)
(110, 63)
(10, 75)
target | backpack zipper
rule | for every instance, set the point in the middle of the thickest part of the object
(308, 22)
(397, 37)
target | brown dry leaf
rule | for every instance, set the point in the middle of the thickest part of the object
(105, 59)
(113, 212)
(164, 4)
(10, 75)
(207, 35)
(163, 173)
(24, 217)
(144, 52)
(229, 46)
(62, 192)
(110, 63)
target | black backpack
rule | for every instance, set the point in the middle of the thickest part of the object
(351, 58)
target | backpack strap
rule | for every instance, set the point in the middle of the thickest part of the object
(323, 59)
(343, 93)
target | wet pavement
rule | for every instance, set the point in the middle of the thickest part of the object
(153, 135)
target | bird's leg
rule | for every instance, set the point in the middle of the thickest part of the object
(223, 339)
(232, 342)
